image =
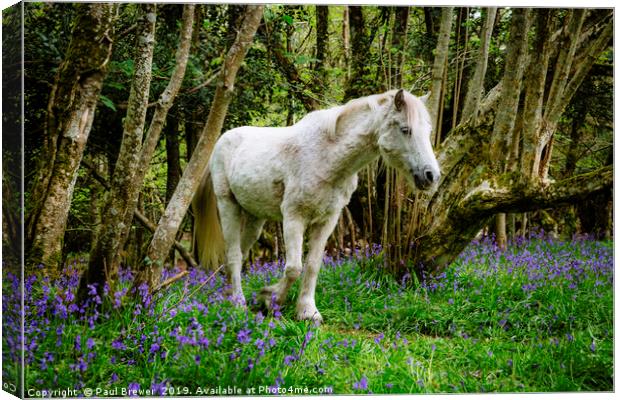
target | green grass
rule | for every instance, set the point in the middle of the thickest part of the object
(477, 328)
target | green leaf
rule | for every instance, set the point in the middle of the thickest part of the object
(107, 102)
(115, 85)
(126, 67)
(288, 19)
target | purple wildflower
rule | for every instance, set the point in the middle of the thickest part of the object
(244, 336)
(379, 338)
(158, 388)
(362, 384)
(250, 365)
(133, 388)
(203, 342)
(118, 344)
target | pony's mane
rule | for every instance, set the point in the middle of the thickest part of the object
(417, 113)
(332, 114)
(326, 120)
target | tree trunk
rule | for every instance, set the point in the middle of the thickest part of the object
(500, 231)
(475, 87)
(511, 88)
(534, 96)
(357, 85)
(462, 42)
(135, 155)
(322, 42)
(70, 116)
(163, 238)
(173, 165)
(438, 72)
(107, 246)
(173, 156)
(346, 41)
(399, 40)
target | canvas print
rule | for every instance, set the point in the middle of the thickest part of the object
(311, 199)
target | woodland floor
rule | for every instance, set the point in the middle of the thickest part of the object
(536, 318)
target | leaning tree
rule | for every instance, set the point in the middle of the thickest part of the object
(496, 160)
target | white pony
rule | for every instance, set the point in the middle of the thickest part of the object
(304, 175)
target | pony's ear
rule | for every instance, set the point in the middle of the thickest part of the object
(425, 97)
(399, 100)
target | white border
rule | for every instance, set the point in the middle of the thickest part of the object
(435, 3)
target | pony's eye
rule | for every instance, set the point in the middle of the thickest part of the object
(405, 130)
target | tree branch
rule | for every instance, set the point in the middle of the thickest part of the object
(288, 68)
(486, 200)
(476, 84)
(139, 216)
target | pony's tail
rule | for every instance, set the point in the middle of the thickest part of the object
(208, 240)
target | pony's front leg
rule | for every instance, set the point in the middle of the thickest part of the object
(230, 216)
(317, 238)
(293, 230)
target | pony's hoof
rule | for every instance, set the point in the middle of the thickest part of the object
(268, 296)
(309, 314)
(238, 300)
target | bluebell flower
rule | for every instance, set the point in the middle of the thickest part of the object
(243, 336)
(362, 384)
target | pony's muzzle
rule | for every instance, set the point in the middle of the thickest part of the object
(425, 177)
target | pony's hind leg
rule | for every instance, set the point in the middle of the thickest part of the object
(317, 238)
(251, 231)
(230, 216)
(293, 230)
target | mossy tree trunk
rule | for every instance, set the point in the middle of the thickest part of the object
(471, 193)
(70, 115)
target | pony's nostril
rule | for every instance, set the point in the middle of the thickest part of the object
(430, 177)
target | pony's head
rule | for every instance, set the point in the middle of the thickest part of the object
(405, 138)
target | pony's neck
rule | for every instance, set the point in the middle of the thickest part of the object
(353, 144)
